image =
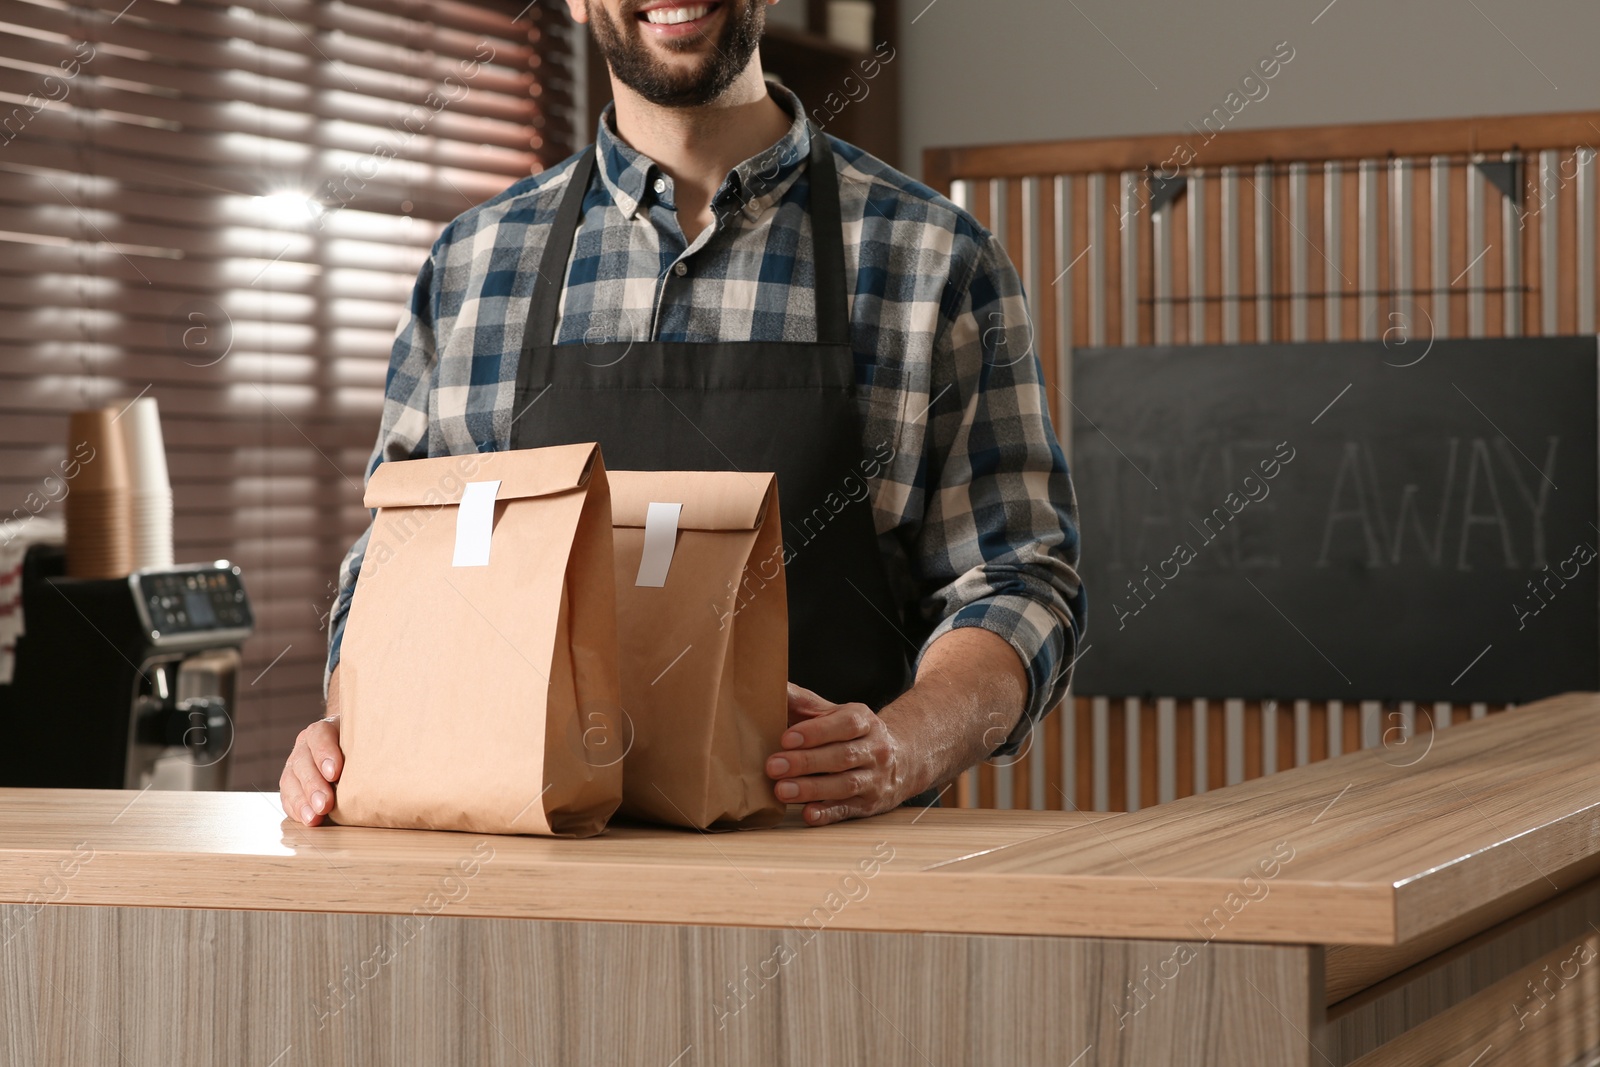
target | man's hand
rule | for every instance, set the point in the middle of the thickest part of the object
(306, 786)
(840, 760)
(843, 762)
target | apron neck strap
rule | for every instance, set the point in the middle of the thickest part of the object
(557, 250)
(827, 244)
(827, 236)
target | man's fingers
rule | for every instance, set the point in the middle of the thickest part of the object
(322, 739)
(827, 759)
(837, 811)
(315, 794)
(305, 789)
(804, 704)
(293, 793)
(290, 794)
(845, 723)
(822, 787)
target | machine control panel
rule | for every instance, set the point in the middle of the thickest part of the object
(180, 604)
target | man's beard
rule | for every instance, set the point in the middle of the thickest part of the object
(630, 60)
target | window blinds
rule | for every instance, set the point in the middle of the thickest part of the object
(224, 206)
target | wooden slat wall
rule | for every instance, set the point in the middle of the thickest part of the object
(131, 233)
(1379, 232)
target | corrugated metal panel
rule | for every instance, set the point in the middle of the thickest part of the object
(1439, 227)
(1100, 711)
(1003, 788)
(999, 224)
(1402, 312)
(1477, 251)
(1333, 245)
(1230, 255)
(1162, 267)
(1132, 715)
(1585, 163)
(1167, 756)
(1265, 223)
(1030, 239)
(1372, 724)
(1131, 213)
(961, 194)
(1233, 738)
(1302, 732)
(1511, 246)
(1198, 184)
(1062, 188)
(1298, 274)
(1367, 179)
(1549, 221)
(1269, 737)
(1097, 260)
(1068, 795)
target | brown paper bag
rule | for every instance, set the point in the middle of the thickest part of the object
(705, 653)
(484, 697)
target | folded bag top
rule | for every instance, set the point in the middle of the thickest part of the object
(522, 473)
(703, 638)
(712, 500)
(478, 674)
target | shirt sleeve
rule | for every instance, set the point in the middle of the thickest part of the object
(998, 545)
(402, 432)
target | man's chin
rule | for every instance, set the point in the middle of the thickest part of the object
(679, 78)
(680, 69)
(687, 54)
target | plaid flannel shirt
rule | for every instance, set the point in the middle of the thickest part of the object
(975, 510)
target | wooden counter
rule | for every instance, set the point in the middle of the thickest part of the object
(1321, 915)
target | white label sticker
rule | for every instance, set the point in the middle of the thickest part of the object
(660, 538)
(475, 524)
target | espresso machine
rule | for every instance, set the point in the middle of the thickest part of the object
(124, 683)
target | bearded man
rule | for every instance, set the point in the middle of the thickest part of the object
(716, 284)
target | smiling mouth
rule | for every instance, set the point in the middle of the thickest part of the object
(677, 15)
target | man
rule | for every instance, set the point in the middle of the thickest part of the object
(720, 286)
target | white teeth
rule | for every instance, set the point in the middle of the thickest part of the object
(671, 16)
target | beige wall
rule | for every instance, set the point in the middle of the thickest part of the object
(1005, 70)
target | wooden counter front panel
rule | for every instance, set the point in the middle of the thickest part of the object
(1415, 999)
(1547, 1013)
(92, 986)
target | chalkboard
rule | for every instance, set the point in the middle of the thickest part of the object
(1346, 521)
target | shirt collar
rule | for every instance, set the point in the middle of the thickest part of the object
(757, 183)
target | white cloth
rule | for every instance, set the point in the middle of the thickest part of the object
(16, 537)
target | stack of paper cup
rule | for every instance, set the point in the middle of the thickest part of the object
(151, 518)
(99, 498)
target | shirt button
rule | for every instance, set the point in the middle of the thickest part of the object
(661, 185)
(681, 269)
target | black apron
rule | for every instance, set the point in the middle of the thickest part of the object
(783, 406)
